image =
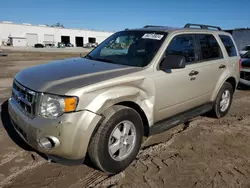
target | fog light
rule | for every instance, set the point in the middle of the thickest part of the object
(46, 143)
(49, 142)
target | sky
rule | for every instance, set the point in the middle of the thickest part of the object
(114, 15)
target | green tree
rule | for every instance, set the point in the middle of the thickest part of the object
(58, 24)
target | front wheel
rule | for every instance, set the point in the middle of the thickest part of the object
(117, 140)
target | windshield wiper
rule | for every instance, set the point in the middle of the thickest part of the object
(104, 60)
(99, 59)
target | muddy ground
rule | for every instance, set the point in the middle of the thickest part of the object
(208, 153)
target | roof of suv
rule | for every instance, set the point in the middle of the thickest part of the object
(185, 28)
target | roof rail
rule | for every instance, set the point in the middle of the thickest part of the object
(188, 25)
(146, 26)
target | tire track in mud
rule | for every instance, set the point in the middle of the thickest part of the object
(2, 134)
(151, 166)
(91, 180)
(7, 180)
(5, 83)
(10, 156)
(155, 161)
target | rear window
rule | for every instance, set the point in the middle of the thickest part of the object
(210, 48)
(229, 45)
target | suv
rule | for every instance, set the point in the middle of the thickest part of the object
(103, 104)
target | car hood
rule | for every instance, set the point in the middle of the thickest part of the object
(61, 76)
(245, 62)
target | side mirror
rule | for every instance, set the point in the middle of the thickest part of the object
(173, 62)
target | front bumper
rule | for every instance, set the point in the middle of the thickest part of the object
(245, 76)
(72, 130)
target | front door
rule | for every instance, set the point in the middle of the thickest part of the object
(178, 90)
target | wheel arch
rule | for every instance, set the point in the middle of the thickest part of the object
(231, 80)
(137, 108)
(140, 111)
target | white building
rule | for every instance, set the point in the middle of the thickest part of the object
(28, 35)
(17, 41)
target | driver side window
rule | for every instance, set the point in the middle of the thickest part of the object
(183, 45)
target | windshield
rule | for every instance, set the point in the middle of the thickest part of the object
(133, 48)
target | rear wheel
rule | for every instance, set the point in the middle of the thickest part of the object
(117, 141)
(223, 101)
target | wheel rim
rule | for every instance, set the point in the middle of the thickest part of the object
(225, 101)
(122, 140)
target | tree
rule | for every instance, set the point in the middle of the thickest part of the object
(58, 24)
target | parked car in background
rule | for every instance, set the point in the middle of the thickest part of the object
(49, 45)
(38, 45)
(245, 70)
(244, 50)
(95, 44)
(2, 54)
(87, 45)
(60, 45)
(90, 45)
(69, 45)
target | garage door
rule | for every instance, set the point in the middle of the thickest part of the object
(48, 38)
(32, 39)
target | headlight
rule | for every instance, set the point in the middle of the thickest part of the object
(53, 106)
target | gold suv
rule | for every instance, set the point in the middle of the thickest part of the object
(138, 82)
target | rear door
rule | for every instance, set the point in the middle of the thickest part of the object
(210, 66)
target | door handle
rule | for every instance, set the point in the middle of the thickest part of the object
(193, 73)
(222, 66)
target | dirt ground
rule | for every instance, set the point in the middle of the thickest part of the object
(207, 153)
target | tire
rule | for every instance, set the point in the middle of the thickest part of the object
(219, 111)
(99, 150)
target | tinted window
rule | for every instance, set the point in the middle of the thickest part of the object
(246, 55)
(246, 48)
(182, 45)
(210, 48)
(229, 45)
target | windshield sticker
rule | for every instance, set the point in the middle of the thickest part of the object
(152, 36)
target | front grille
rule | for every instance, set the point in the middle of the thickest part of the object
(245, 75)
(25, 98)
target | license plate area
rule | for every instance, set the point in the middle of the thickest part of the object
(20, 130)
